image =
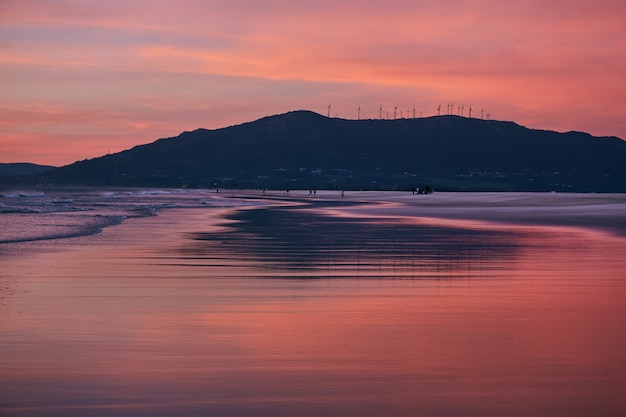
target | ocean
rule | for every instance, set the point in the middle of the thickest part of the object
(145, 302)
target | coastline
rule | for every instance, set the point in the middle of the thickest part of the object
(599, 212)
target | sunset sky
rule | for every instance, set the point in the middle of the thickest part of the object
(82, 78)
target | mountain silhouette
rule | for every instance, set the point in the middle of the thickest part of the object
(305, 150)
(21, 168)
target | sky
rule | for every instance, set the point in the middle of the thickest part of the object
(82, 78)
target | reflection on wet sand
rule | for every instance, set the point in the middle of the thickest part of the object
(299, 243)
(167, 316)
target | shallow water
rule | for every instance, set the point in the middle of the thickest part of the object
(276, 311)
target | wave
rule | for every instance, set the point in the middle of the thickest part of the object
(29, 231)
(27, 216)
(23, 194)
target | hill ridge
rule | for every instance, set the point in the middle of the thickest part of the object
(303, 149)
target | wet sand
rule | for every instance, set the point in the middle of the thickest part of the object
(349, 306)
(605, 212)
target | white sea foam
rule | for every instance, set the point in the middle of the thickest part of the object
(57, 213)
(22, 194)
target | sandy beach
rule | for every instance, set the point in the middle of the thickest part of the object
(368, 304)
(606, 212)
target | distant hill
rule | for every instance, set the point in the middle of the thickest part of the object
(22, 168)
(304, 150)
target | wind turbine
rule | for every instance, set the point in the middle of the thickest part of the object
(481, 113)
(462, 109)
(358, 112)
(439, 110)
(470, 111)
(328, 110)
(395, 112)
(380, 112)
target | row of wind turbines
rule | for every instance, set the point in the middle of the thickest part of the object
(451, 110)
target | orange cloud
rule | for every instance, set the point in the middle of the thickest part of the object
(532, 62)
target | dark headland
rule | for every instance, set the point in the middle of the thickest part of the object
(305, 150)
(22, 168)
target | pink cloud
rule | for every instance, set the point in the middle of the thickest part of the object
(529, 61)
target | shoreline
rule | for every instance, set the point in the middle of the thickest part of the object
(604, 213)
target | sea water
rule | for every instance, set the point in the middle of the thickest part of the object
(57, 213)
(294, 305)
